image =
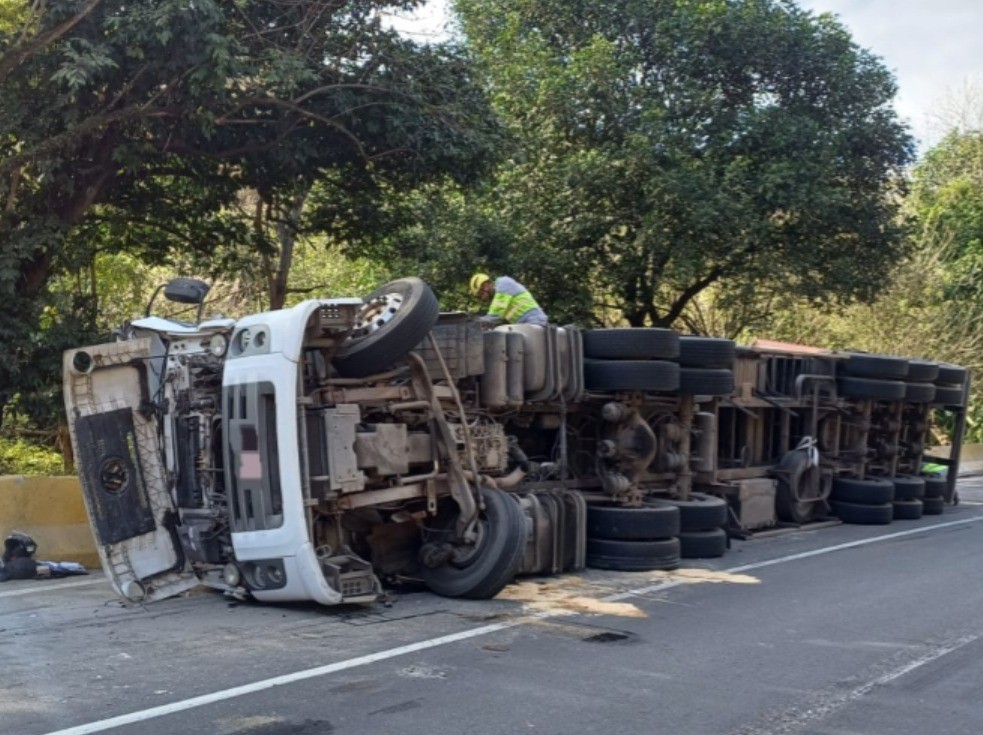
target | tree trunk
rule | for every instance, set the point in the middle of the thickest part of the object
(286, 234)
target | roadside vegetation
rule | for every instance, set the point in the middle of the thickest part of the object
(724, 168)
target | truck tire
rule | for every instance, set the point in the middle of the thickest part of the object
(710, 544)
(798, 478)
(907, 510)
(885, 367)
(907, 487)
(706, 382)
(863, 514)
(643, 375)
(650, 343)
(707, 352)
(947, 395)
(633, 556)
(872, 491)
(950, 374)
(495, 560)
(933, 506)
(935, 487)
(701, 512)
(919, 392)
(653, 520)
(922, 371)
(397, 316)
(881, 390)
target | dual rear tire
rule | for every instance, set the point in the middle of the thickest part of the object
(633, 539)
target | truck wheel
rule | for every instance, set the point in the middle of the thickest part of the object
(643, 375)
(947, 395)
(907, 510)
(882, 390)
(860, 365)
(654, 520)
(396, 317)
(935, 487)
(710, 544)
(922, 371)
(701, 512)
(933, 506)
(950, 374)
(631, 344)
(907, 487)
(479, 572)
(879, 514)
(872, 491)
(919, 392)
(797, 496)
(706, 382)
(633, 556)
(707, 352)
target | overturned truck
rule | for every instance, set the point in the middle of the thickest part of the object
(316, 452)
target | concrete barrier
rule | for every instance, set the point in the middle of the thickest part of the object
(51, 511)
(970, 458)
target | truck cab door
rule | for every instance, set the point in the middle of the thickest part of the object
(115, 436)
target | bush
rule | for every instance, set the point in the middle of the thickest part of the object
(24, 457)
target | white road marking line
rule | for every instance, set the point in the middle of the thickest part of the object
(817, 710)
(276, 681)
(912, 665)
(52, 587)
(205, 699)
(795, 557)
(855, 544)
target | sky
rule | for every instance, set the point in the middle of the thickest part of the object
(933, 47)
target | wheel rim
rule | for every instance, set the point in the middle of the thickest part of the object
(378, 313)
(464, 555)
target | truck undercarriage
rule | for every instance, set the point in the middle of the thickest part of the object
(320, 451)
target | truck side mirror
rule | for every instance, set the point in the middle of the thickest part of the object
(186, 291)
(182, 291)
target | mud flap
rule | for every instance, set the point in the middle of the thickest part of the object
(131, 512)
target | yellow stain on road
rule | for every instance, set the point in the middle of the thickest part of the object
(704, 575)
(566, 596)
(237, 725)
(576, 596)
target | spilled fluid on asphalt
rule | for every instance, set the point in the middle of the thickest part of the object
(573, 595)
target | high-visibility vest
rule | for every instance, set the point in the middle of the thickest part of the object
(511, 307)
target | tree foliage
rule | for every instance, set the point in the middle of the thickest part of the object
(670, 145)
(931, 305)
(947, 198)
(138, 126)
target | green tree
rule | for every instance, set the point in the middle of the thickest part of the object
(138, 126)
(947, 198)
(931, 305)
(671, 146)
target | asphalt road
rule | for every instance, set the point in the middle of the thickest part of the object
(841, 630)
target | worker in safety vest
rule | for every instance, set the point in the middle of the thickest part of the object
(511, 302)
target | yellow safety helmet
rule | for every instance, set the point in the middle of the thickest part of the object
(477, 281)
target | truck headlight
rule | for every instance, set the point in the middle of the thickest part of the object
(218, 344)
(231, 575)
